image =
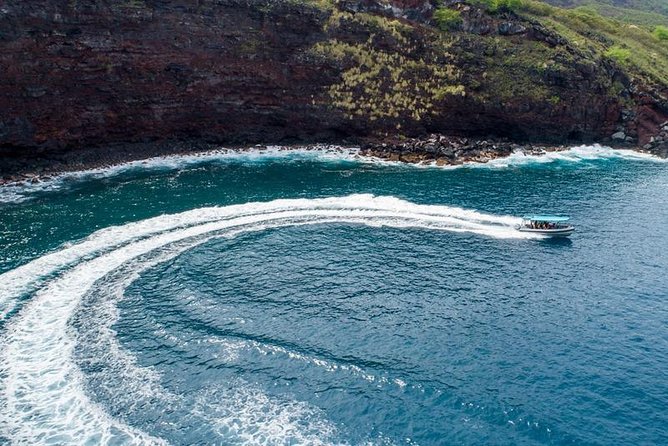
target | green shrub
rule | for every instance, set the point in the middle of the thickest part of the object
(585, 11)
(661, 32)
(499, 5)
(490, 5)
(447, 19)
(538, 8)
(508, 5)
(618, 54)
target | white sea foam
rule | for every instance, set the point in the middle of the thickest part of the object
(572, 155)
(40, 384)
(238, 413)
(330, 366)
(247, 416)
(21, 191)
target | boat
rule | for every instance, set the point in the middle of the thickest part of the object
(548, 225)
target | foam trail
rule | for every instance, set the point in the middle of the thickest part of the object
(271, 422)
(39, 382)
(38, 371)
(242, 413)
(21, 280)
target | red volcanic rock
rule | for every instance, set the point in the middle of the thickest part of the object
(98, 73)
(649, 120)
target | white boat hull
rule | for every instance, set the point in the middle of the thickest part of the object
(556, 232)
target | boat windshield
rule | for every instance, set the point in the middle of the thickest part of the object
(546, 218)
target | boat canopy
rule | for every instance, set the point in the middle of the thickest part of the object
(547, 218)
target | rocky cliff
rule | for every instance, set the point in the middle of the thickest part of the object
(96, 73)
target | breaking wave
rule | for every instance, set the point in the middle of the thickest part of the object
(573, 155)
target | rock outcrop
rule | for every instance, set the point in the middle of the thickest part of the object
(658, 144)
(442, 150)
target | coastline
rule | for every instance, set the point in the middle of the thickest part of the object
(442, 150)
(432, 150)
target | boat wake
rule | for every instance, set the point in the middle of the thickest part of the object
(20, 191)
(43, 389)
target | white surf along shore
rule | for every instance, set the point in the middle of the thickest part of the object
(21, 190)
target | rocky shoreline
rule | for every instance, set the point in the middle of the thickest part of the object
(43, 165)
(435, 149)
(444, 151)
(658, 144)
(450, 151)
(91, 85)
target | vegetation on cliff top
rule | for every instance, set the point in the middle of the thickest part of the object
(622, 9)
(644, 54)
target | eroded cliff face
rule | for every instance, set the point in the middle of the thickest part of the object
(80, 74)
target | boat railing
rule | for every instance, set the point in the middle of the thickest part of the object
(546, 225)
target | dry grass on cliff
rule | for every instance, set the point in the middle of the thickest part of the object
(385, 76)
(379, 84)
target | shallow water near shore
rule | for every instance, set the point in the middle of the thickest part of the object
(320, 298)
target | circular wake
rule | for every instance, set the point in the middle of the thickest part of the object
(42, 389)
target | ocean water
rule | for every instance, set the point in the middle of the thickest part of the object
(313, 297)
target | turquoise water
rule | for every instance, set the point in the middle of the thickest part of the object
(315, 298)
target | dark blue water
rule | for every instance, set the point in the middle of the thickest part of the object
(360, 320)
